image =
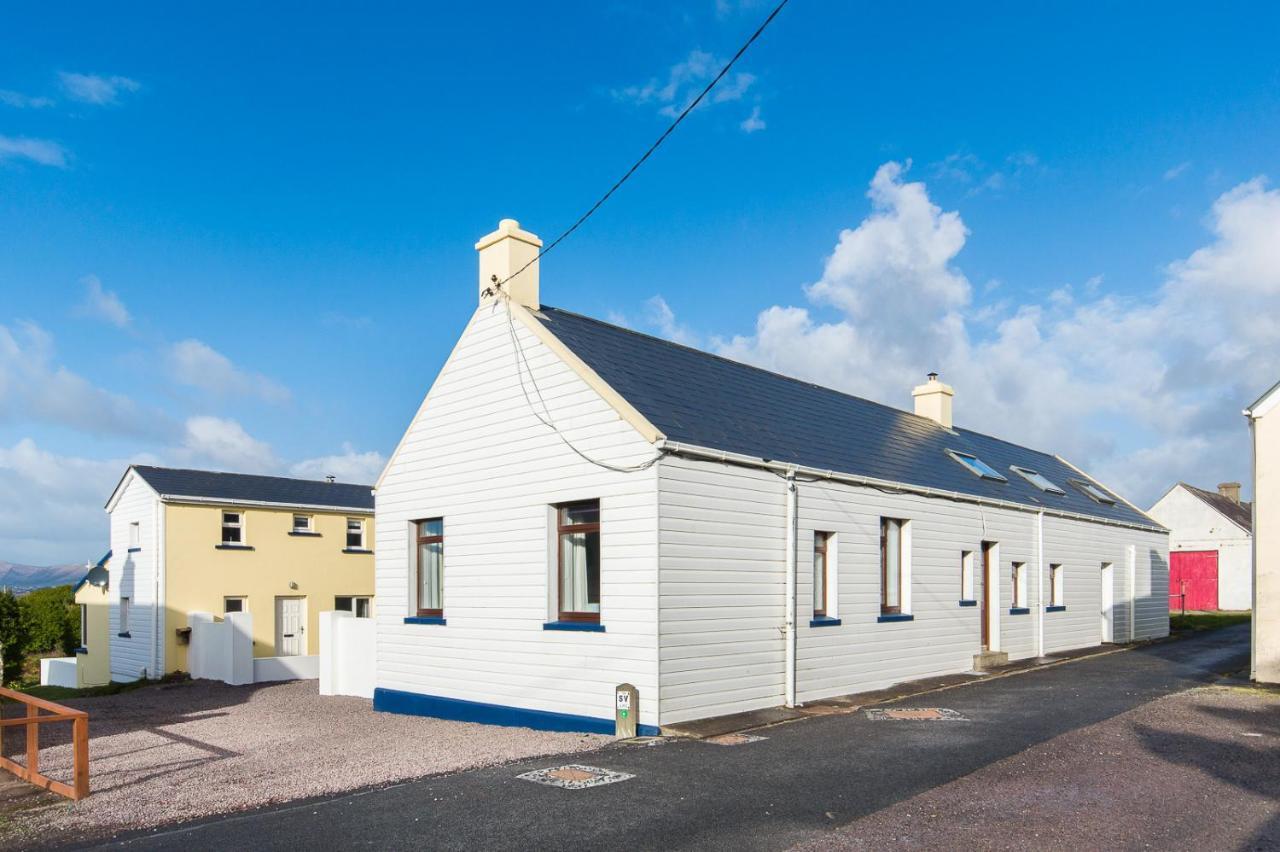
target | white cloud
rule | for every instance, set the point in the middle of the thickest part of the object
(753, 122)
(349, 466)
(1177, 171)
(223, 444)
(1141, 391)
(96, 89)
(660, 316)
(684, 81)
(42, 151)
(34, 388)
(970, 170)
(102, 304)
(8, 97)
(195, 363)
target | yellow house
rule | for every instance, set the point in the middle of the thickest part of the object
(1264, 425)
(93, 667)
(190, 541)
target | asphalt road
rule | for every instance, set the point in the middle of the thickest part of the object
(805, 777)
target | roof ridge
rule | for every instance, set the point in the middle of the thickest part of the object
(241, 473)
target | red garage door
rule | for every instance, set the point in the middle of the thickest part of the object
(1195, 574)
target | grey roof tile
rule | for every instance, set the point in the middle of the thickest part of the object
(212, 485)
(1241, 514)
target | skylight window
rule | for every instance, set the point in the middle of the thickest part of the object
(976, 466)
(1036, 479)
(1093, 492)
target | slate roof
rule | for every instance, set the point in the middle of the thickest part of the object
(703, 399)
(1241, 514)
(210, 485)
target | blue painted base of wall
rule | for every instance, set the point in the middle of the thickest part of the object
(416, 704)
(1055, 609)
(968, 602)
(1020, 610)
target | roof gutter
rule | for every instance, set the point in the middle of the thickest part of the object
(694, 451)
(218, 501)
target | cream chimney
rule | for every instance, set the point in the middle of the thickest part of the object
(1230, 490)
(933, 400)
(505, 253)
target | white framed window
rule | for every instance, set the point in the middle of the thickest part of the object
(976, 466)
(302, 524)
(1056, 586)
(966, 575)
(135, 535)
(1018, 599)
(361, 606)
(824, 574)
(355, 534)
(895, 566)
(232, 527)
(1093, 492)
(1036, 479)
(234, 603)
(124, 614)
(84, 624)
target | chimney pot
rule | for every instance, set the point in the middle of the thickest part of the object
(933, 400)
(508, 258)
(1230, 490)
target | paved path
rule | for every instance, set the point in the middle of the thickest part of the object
(806, 777)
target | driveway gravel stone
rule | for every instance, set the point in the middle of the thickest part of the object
(177, 752)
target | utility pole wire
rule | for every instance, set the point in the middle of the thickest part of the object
(638, 163)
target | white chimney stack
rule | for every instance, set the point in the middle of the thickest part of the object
(503, 254)
(933, 400)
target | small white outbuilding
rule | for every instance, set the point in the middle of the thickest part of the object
(1210, 546)
(576, 506)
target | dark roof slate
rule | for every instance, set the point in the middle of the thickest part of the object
(1240, 513)
(210, 485)
(698, 398)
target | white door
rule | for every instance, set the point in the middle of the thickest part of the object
(291, 627)
(1107, 612)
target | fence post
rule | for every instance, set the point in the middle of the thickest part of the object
(33, 740)
(80, 738)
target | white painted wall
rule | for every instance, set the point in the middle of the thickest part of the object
(134, 575)
(476, 456)
(58, 671)
(222, 650)
(1195, 525)
(347, 654)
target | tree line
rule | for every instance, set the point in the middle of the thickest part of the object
(40, 621)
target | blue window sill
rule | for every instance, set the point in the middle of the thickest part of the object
(125, 635)
(355, 550)
(424, 619)
(1019, 610)
(824, 621)
(1062, 608)
(896, 616)
(233, 547)
(968, 602)
(302, 534)
(82, 650)
(135, 550)
(590, 626)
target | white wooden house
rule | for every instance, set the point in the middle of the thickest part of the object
(1210, 546)
(576, 505)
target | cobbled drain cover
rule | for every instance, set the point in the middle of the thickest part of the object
(575, 776)
(914, 714)
(735, 739)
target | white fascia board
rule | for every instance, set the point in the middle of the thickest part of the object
(1264, 403)
(129, 476)
(218, 501)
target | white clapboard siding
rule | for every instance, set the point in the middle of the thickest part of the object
(722, 587)
(477, 456)
(133, 575)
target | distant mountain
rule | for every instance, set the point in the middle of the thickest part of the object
(24, 578)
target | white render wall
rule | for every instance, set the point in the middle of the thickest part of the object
(722, 587)
(1194, 525)
(133, 575)
(476, 456)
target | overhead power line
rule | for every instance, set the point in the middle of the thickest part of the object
(638, 163)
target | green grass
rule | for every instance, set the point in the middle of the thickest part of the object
(1197, 621)
(61, 693)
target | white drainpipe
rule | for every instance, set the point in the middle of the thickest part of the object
(1040, 584)
(790, 630)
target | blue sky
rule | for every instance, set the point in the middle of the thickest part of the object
(242, 237)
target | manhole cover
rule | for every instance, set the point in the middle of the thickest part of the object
(914, 714)
(735, 739)
(575, 776)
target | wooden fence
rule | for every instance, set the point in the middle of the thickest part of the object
(34, 718)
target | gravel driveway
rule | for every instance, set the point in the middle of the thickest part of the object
(167, 753)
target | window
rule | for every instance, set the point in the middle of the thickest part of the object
(135, 535)
(1018, 600)
(966, 575)
(84, 624)
(1093, 492)
(1036, 479)
(302, 523)
(355, 534)
(976, 466)
(233, 528)
(358, 606)
(821, 543)
(578, 546)
(1055, 586)
(892, 533)
(124, 616)
(430, 535)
